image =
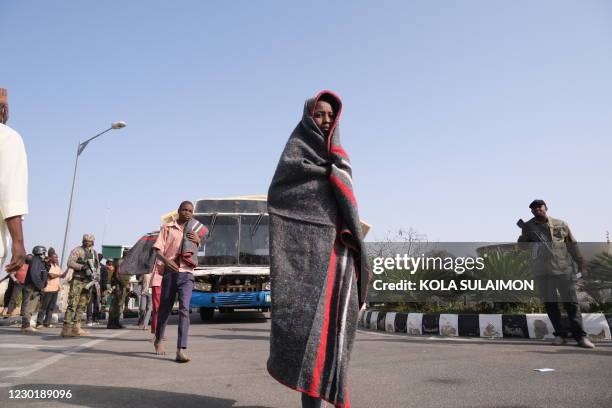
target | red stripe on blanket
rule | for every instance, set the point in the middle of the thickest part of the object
(346, 190)
(322, 350)
(340, 151)
(348, 401)
(202, 232)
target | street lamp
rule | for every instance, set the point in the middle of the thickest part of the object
(80, 148)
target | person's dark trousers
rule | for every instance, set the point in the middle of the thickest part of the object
(117, 306)
(93, 308)
(174, 283)
(45, 314)
(144, 310)
(557, 291)
(31, 297)
(9, 292)
(17, 290)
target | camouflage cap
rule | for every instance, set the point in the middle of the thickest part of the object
(88, 237)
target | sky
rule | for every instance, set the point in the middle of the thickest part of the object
(457, 114)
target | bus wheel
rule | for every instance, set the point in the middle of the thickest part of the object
(207, 314)
(265, 309)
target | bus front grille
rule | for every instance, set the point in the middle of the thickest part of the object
(236, 299)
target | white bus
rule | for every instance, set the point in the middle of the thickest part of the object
(233, 269)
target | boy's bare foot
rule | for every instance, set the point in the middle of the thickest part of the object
(159, 347)
(181, 357)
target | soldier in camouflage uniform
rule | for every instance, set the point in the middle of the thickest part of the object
(84, 262)
(556, 265)
(121, 287)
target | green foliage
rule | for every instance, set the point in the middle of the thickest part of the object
(504, 266)
(598, 282)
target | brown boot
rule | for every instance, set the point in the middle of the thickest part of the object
(66, 331)
(77, 331)
(28, 330)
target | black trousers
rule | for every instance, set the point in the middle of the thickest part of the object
(31, 298)
(93, 308)
(560, 291)
(174, 283)
(8, 293)
(45, 314)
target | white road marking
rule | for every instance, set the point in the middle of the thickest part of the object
(55, 358)
(30, 346)
(10, 368)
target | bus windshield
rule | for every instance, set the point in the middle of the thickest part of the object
(228, 234)
(254, 249)
(221, 246)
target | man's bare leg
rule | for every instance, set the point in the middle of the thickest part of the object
(159, 347)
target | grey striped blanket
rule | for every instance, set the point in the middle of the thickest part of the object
(318, 267)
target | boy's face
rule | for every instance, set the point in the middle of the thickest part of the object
(324, 116)
(185, 212)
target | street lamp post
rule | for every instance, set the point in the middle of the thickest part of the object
(80, 148)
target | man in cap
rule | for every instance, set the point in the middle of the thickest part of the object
(36, 279)
(556, 264)
(83, 260)
(13, 189)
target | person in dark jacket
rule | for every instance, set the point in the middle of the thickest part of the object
(50, 291)
(557, 266)
(36, 280)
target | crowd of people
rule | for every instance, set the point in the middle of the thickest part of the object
(93, 285)
(96, 286)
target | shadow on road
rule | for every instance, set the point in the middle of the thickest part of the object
(230, 337)
(219, 320)
(111, 397)
(247, 330)
(574, 350)
(602, 347)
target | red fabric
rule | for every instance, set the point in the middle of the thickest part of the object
(21, 274)
(203, 231)
(346, 190)
(322, 350)
(340, 151)
(156, 297)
